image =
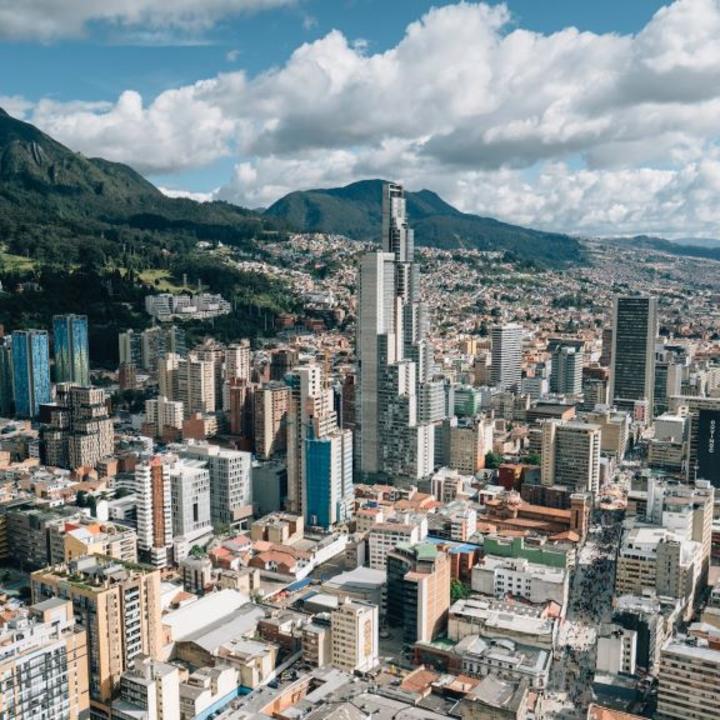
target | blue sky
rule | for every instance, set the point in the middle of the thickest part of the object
(502, 108)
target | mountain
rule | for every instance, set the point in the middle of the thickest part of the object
(56, 204)
(356, 211)
(684, 248)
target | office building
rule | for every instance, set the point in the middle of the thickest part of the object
(145, 349)
(31, 371)
(394, 359)
(385, 537)
(567, 363)
(149, 689)
(418, 591)
(7, 382)
(632, 374)
(470, 440)
(127, 376)
(328, 478)
(688, 681)
(72, 360)
(119, 607)
(271, 408)
(505, 368)
(230, 481)
(614, 430)
(571, 455)
(43, 663)
(354, 633)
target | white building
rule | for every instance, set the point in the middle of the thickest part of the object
(162, 413)
(505, 368)
(190, 484)
(384, 537)
(149, 689)
(354, 629)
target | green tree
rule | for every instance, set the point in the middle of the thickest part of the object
(493, 460)
(459, 591)
(533, 459)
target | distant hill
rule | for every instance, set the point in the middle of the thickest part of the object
(356, 211)
(684, 248)
(56, 204)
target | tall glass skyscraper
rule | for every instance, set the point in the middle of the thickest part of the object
(31, 370)
(72, 363)
(7, 389)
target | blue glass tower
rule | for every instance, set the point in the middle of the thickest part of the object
(72, 364)
(31, 371)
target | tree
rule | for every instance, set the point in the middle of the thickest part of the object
(493, 460)
(459, 591)
(533, 459)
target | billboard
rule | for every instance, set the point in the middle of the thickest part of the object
(708, 446)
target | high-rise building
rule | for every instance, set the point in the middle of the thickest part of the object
(239, 405)
(418, 591)
(606, 350)
(154, 512)
(354, 632)
(145, 349)
(31, 371)
(72, 361)
(238, 361)
(118, 605)
(688, 681)
(505, 368)
(394, 359)
(632, 374)
(127, 376)
(189, 380)
(43, 664)
(271, 407)
(7, 382)
(91, 435)
(567, 365)
(230, 481)
(162, 415)
(328, 476)
(190, 485)
(571, 455)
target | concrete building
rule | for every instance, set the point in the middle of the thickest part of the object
(43, 663)
(238, 360)
(517, 577)
(163, 415)
(505, 369)
(149, 689)
(617, 652)
(190, 501)
(418, 591)
(153, 493)
(571, 455)
(385, 537)
(470, 440)
(271, 407)
(614, 430)
(688, 681)
(354, 627)
(119, 607)
(230, 481)
(394, 360)
(567, 359)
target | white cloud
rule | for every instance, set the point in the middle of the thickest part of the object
(51, 19)
(573, 130)
(197, 196)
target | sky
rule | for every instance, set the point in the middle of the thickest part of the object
(585, 117)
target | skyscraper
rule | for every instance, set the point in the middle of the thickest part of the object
(571, 455)
(31, 371)
(505, 369)
(632, 375)
(7, 385)
(567, 364)
(394, 360)
(72, 362)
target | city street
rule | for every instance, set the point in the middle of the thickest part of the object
(590, 606)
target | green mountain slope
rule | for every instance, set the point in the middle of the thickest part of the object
(355, 211)
(55, 205)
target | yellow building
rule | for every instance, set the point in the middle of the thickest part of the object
(119, 606)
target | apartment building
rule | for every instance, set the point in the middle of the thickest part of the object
(118, 604)
(43, 663)
(149, 689)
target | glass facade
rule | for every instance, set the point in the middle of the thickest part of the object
(319, 480)
(72, 364)
(31, 371)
